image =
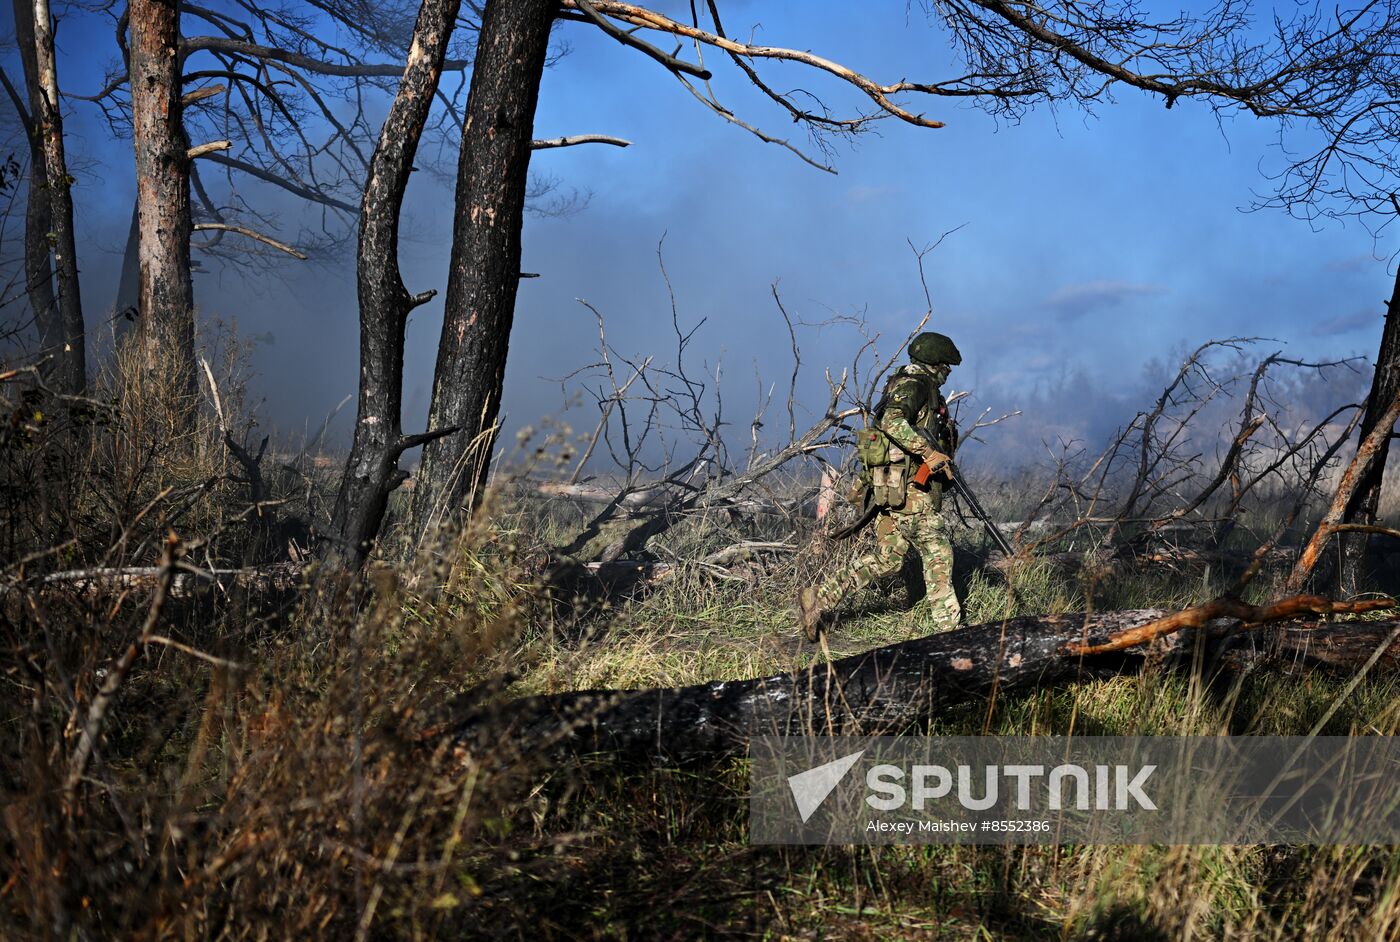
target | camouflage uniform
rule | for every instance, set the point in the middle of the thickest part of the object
(912, 396)
(919, 525)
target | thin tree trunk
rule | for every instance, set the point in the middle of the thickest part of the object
(70, 345)
(1366, 501)
(372, 470)
(38, 272)
(162, 195)
(485, 265)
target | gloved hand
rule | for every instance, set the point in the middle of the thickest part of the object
(936, 460)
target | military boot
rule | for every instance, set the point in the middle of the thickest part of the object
(810, 613)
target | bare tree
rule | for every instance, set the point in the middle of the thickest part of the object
(244, 97)
(1363, 505)
(1189, 472)
(1345, 166)
(372, 470)
(484, 269)
(50, 250)
(1015, 56)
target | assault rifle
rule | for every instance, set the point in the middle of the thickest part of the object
(964, 492)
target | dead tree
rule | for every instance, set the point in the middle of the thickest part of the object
(484, 269)
(1347, 166)
(51, 258)
(163, 157)
(659, 455)
(1368, 453)
(37, 278)
(372, 470)
(1361, 509)
(234, 99)
(1154, 476)
(660, 437)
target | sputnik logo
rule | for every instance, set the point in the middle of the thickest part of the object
(811, 788)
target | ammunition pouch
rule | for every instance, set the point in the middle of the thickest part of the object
(889, 484)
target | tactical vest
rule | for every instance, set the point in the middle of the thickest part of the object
(888, 468)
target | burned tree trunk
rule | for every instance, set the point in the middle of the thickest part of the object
(38, 272)
(1385, 384)
(166, 293)
(891, 689)
(49, 219)
(372, 470)
(485, 265)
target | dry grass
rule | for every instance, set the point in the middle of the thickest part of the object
(301, 794)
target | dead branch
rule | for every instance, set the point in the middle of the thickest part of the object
(97, 713)
(1243, 612)
(185, 581)
(573, 140)
(1355, 472)
(210, 147)
(251, 234)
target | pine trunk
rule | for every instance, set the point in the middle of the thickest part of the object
(485, 264)
(166, 293)
(372, 470)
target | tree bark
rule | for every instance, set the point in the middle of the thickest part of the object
(372, 470)
(891, 689)
(485, 264)
(1365, 503)
(166, 293)
(51, 228)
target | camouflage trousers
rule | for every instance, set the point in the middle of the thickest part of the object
(918, 525)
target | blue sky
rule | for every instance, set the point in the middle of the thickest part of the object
(1083, 242)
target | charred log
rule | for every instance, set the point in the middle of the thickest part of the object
(891, 689)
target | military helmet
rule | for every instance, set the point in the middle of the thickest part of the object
(933, 349)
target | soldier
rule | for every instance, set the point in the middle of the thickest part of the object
(910, 514)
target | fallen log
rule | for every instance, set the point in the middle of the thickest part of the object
(661, 497)
(884, 691)
(187, 581)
